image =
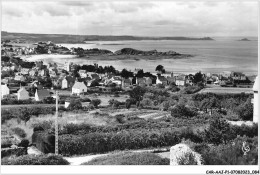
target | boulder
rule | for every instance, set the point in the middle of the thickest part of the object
(181, 154)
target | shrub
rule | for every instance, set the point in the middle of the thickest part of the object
(95, 102)
(219, 131)
(192, 89)
(120, 118)
(19, 131)
(181, 110)
(48, 159)
(129, 158)
(188, 159)
(85, 99)
(75, 105)
(24, 143)
(49, 100)
(231, 153)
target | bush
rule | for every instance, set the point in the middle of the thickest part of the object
(19, 131)
(24, 143)
(129, 158)
(95, 102)
(231, 153)
(85, 99)
(48, 159)
(181, 110)
(75, 105)
(219, 131)
(120, 118)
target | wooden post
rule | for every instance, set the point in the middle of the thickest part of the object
(56, 126)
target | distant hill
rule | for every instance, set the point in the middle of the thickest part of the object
(244, 39)
(64, 38)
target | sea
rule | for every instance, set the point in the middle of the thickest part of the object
(209, 56)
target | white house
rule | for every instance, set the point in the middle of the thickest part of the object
(4, 90)
(22, 94)
(256, 100)
(78, 88)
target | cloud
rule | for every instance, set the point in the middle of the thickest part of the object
(166, 18)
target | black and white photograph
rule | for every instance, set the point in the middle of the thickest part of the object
(128, 82)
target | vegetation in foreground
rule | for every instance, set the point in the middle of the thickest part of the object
(129, 158)
(48, 159)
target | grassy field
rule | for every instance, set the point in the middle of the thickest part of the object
(221, 90)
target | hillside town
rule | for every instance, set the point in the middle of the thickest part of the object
(36, 80)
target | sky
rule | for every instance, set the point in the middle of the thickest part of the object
(146, 18)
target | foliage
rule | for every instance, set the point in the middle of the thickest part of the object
(160, 68)
(99, 142)
(129, 158)
(48, 159)
(23, 114)
(24, 143)
(128, 104)
(75, 104)
(198, 78)
(137, 93)
(181, 110)
(49, 100)
(95, 102)
(219, 131)
(188, 159)
(245, 111)
(192, 89)
(231, 153)
(19, 131)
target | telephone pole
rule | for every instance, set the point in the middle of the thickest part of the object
(56, 126)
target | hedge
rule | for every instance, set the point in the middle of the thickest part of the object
(105, 142)
(47, 159)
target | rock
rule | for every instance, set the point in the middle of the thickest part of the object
(181, 154)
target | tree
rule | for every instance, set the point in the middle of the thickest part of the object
(128, 104)
(246, 110)
(219, 131)
(198, 78)
(23, 114)
(137, 93)
(181, 110)
(160, 69)
(126, 74)
(95, 102)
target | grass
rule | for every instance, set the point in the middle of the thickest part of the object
(129, 158)
(48, 159)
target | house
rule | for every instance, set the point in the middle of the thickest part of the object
(180, 81)
(117, 80)
(19, 78)
(41, 94)
(4, 90)
(148, 81)
(141, 81)
(25, 71)
(33, 73)
(68, 66)
(82, 73)
(171, 79)
(127, 82)
(67, 82)
(78, 88)
(22, 94)
(43, 72)
(161, 80)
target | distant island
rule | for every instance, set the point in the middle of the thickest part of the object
(244, 39)
(65, 38)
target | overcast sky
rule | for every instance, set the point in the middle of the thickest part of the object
(149, 18)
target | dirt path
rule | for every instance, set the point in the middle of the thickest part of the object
(83, 159)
